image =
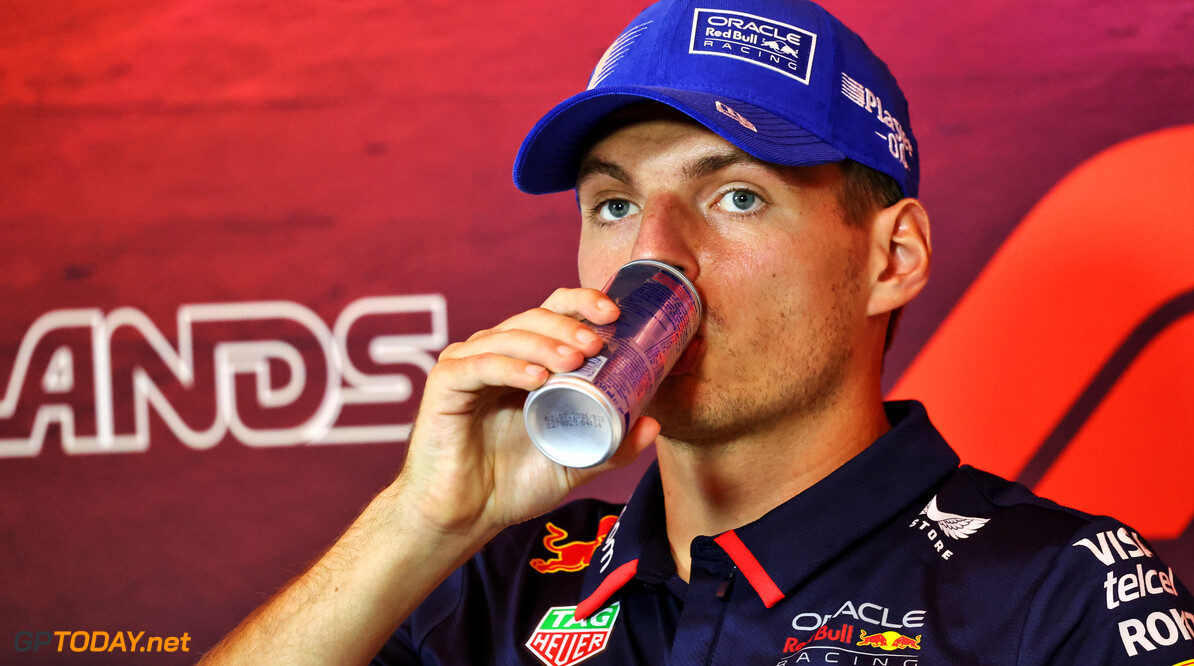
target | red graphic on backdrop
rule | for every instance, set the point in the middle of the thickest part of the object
(1067, 363)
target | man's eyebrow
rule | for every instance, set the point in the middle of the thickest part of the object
(593, 166)
(702, 167)
(711, 164)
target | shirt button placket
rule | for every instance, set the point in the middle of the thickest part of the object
(706, 603)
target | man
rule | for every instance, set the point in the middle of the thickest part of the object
(793, 517)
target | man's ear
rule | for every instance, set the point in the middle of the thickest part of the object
(901, 247)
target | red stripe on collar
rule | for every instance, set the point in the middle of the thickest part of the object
(612, 583)
(745, 560)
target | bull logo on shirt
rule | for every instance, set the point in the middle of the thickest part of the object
(888, 640)
(570, 555)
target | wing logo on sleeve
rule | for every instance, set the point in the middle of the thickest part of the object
(941, 523)
(572, 555)
(952, 525)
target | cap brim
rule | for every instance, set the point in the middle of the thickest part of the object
(550, 155)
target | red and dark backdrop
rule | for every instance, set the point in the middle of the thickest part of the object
(230, 228)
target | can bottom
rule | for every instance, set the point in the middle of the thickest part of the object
(571, 426)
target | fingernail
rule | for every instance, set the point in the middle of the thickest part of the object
(585, 336)
(535, 370)
(564, 350)
(606, 305)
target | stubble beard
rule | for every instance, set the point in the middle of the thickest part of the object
(792, 383)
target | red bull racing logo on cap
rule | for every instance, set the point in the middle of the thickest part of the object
(570, 555)
(562, 640)
(760, 41)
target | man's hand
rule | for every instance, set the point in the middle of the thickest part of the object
(470, 471)
(471, 465)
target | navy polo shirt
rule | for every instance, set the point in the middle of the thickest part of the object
(898, 557)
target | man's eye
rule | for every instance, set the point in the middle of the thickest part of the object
(740, 201)
(616, 209)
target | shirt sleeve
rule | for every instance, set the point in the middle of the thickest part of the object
(404, 647)
(398, 650)
(1109, 600)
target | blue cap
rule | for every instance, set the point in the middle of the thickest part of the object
(783, 80)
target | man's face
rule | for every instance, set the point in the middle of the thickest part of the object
(779, 270)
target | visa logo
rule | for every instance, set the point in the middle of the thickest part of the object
(1111, 544)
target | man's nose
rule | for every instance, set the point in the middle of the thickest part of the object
(669, 232)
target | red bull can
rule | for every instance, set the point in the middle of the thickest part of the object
(579, 418)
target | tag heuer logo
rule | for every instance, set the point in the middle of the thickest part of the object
(560, 640)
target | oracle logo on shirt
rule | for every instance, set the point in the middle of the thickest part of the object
(870, 613)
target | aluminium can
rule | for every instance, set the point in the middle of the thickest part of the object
(579, 418)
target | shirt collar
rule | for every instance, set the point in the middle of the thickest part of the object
(781, 549)
(801, 535)
(638, 536)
